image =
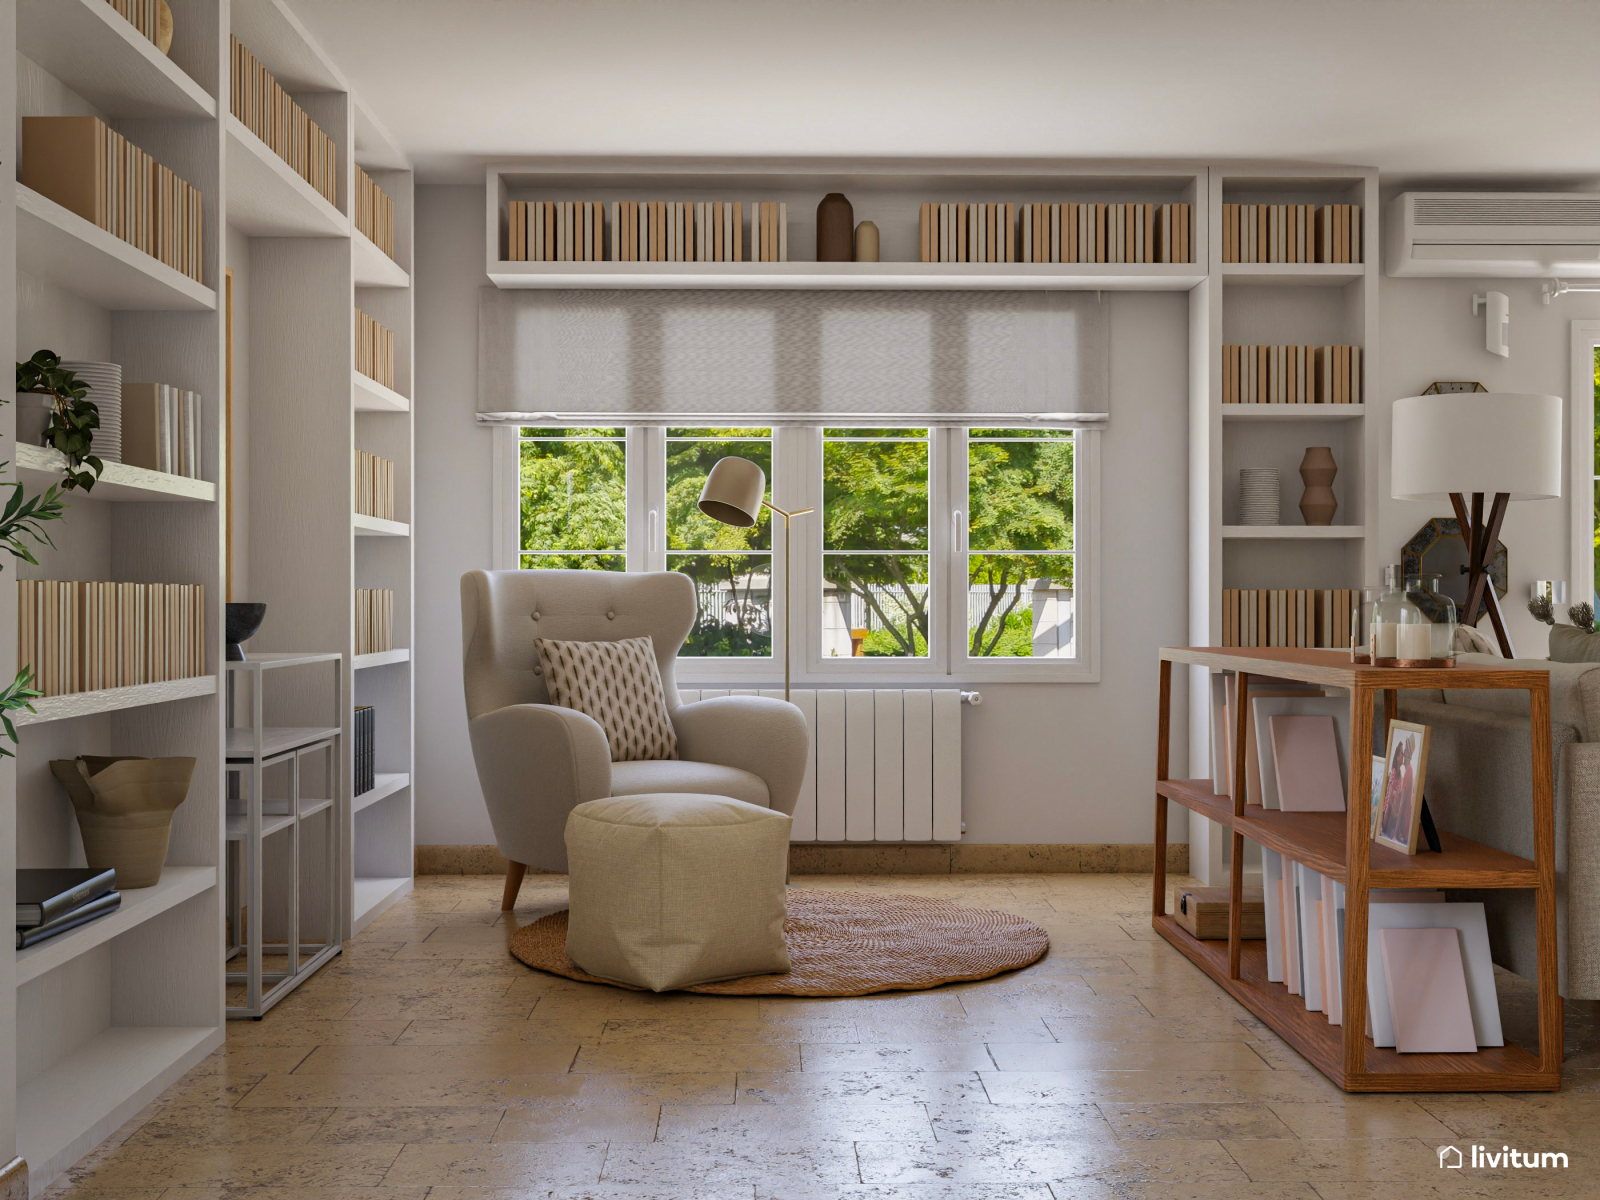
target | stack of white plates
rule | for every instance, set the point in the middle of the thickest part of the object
(104, 381)
(1258, 496)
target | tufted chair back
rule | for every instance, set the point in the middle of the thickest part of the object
(503, 611)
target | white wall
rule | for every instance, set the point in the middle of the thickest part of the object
(1043, 763)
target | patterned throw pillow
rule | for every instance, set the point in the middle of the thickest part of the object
(619, 685)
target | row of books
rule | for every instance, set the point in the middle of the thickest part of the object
(1297, 617)
(364, 733)
(374, 620)
(82, 636)
(1062, 233)
(283, 126)
(563, 231)
(374, 486)
(374, 349)
(143, 15)
(1291, 233)
(374, 212)
(90, 169)
(161, 428)
(1291, 374)
(52, 900)
(645, 231)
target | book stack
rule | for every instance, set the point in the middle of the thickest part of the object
(976, 233)
(374, 350)
(86, 636)
(143, 15)
(268, 112)
(1291, 233)
(670, 231)
(769, 231)
(1291, 374)
(1295, 617)
(161, 428)
(556, 231)
(374, 620)
(92, 170)
(364, 733)
(374, 213)
(54, 900)
(1111, 233)
(374, 486)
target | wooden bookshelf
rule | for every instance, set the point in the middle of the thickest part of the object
(1339, 846)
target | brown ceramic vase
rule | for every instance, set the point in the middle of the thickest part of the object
(1317, 471)
(836, 228)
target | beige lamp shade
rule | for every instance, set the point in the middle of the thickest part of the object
(1468, 442)
(734, 491)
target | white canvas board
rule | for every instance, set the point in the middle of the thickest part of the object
(1308, 888)
(1272, 882)
(1468, 918)
(1264, 708)
(1219, 733)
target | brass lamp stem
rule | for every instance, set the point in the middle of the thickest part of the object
(800, 512)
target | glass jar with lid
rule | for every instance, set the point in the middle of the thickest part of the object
(1402, 635)
(1426, 593)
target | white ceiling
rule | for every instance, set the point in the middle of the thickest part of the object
(1437, 88)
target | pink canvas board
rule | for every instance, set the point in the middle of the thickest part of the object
(1427, 986)
(1306, 756)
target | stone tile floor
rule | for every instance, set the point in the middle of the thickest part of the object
(427, 1063)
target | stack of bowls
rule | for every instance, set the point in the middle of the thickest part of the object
(104, 381)
(1258, 496)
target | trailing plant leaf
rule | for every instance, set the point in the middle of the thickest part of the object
(17, 696)
(73, 417)
(24, 516)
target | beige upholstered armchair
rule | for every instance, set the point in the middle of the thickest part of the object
(537, 761)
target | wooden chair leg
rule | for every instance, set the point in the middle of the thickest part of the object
(514, 873)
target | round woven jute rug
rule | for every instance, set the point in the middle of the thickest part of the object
(847, 944)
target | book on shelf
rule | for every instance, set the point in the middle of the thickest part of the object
(364, 759)
(374, 620)
(1305, 618)
(1291, 374)
(374, 350)
(143, 15)
(556, 231)
(45, 893)
(1291, 233)
(90, 169)
(107, 902)
(161, 428)
(1055, 233)
(85, 636)
(374, 212)
(769, 231)
(374, 486)
(269, 112)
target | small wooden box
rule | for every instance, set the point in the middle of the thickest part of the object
(1204, 913)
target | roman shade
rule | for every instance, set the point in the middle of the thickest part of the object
(576, 357)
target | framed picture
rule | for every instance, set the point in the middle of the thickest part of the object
(1380, 771)
(1405, 772)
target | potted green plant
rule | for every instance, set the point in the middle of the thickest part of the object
(73, 417)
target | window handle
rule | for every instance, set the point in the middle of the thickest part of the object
(654, 531)
(958, 531)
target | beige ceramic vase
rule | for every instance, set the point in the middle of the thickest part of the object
(1317, 470)
(124, 808)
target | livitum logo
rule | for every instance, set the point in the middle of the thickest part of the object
(1451, 1158)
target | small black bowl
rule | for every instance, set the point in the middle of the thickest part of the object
(242, 622)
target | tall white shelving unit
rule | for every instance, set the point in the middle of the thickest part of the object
(107, 1016)
(1276, 304)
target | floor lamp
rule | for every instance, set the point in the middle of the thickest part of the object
(734, 493)
(1467, 446)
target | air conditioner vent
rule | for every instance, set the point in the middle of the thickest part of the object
(1507, 210)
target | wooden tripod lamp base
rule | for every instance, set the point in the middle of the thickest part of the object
(1481, 537)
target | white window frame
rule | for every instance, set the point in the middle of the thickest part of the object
(797, 468)
(1580, 472)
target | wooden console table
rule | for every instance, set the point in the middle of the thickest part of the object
(1340, 846)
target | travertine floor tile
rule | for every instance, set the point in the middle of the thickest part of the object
(532, 1121)
(993, 1124)
(200, 1127)
(500, 1031)
(615, 1057)
(1128, 1056)
(1188, 1120)
(1363, 1117)
(396, 1125)
(463, 1062)
(294, 1165)
(717, 1162)
(814, 1087)
(1026, 1161)
(845, 1121)
(907, 1056)
(501, 1164)
(1378, 1160)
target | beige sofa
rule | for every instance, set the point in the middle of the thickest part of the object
(1479, 787)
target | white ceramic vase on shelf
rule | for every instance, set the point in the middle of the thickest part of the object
(1258, 496)
(104, 381)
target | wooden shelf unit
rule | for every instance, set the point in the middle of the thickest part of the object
(1339, 845)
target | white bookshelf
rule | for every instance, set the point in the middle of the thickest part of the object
(383, 787)
(108, 1015)
(382, 658)
(1293, 412)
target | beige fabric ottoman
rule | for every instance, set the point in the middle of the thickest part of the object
(670, 889)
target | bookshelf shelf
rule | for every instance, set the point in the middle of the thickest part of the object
(382, 658)
(368, 395)
(60, 246)
(239, 825)
(83, 704)
(378, 527)
(275, 739)
(1293, 412)
(375, 894)
(1295, 274)
(372, 267)
(42, 466)
(266, 198)
(104, 59)
(1291, 533)
(832, 276)
(383, 787)
(138, 906)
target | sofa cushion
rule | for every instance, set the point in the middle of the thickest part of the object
(681, 775)
(1569, 644)
(1574, 692)
(619, 685)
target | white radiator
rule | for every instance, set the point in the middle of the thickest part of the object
(885, 765)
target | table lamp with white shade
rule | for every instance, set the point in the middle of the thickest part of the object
(1501, 445)
(734, 493)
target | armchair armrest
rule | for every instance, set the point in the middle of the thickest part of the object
(759, 734)
(536, 763)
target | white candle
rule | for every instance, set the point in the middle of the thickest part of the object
(1385, 640)
(1415, 641)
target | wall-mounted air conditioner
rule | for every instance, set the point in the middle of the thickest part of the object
(1496, 235)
